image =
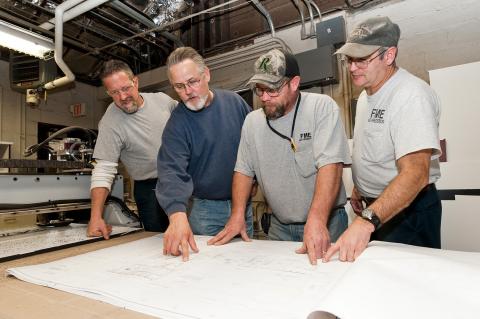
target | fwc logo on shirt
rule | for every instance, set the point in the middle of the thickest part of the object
(305, 136)
(377, 116)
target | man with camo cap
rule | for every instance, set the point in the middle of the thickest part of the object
(296, 147)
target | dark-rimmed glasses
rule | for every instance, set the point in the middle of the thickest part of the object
(270, 92)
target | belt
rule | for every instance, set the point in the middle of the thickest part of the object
(148, 180)
(370, 200)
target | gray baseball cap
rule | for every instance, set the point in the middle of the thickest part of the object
(273, 67)
(369, 36)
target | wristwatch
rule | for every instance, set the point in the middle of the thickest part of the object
(370, 216)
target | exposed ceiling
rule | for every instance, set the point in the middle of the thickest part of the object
(144, 32)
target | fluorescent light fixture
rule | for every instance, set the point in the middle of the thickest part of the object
(24, 41)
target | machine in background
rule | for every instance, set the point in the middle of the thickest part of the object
(40, 194)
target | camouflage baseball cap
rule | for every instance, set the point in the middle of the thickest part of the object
(273, 67)
(369, 36)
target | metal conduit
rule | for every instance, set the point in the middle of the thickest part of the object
(303, 33)
(264, 11)
(317, 9)
(245, 54)
(313, 32)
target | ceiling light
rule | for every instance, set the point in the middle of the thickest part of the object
(24, 41)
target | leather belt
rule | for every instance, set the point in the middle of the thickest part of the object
(370, 200)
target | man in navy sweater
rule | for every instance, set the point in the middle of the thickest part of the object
(197, 157)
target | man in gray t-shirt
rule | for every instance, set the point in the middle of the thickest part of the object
(395, 147)
(131, 131)
(296, 147)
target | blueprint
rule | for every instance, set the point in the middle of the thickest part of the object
(266, 279)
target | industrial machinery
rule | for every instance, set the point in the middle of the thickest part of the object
(41, 194)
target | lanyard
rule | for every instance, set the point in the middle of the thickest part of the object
(290, 139)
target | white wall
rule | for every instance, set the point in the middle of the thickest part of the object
(18, 122)
(458, 90)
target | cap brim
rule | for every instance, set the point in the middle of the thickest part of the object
(265, 79)
(356, 50)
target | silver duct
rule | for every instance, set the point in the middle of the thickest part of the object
(161, 11)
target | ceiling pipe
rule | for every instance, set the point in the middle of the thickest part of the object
(73, 12)
(125, 9)
(267, 15)
(69, 76)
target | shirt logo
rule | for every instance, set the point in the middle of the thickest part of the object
(305, 136)
(377, 116)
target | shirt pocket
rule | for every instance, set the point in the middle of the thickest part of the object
(305, 163)
(375, 147)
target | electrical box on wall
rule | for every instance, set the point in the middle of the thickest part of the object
(331, 32)
(319, 66)
(27, 72)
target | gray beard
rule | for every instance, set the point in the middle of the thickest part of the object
(199, 106)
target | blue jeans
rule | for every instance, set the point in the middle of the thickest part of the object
(208, 217)
(152, 216)
(418, 224)
(337, 223)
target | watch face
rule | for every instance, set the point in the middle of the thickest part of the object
(367, 213)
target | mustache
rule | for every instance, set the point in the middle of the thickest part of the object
(128, 99)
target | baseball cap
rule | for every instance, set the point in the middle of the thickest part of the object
(273, 67)
(369, 36)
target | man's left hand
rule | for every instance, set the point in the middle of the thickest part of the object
(316, 240)
(352, 242)
(235, 226)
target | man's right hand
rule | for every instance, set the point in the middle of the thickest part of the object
(178, 239)
(98, 227)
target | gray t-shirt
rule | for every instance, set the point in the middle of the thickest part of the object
(401, 118)
(135, 138)
(286, 177)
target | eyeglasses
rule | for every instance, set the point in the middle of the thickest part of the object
(361, 63)
(125, 89)
(270, 92)
(192, 83)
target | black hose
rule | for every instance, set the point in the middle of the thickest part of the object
(34, 148)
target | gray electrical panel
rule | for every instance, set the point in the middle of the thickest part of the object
(318, 66)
